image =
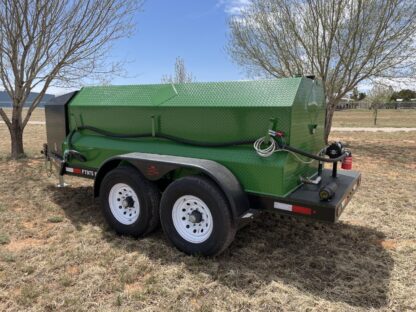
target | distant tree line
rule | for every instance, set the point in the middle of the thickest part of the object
(405, 95)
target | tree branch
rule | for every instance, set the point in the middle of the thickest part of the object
(5, 118)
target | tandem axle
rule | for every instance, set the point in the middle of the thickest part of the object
(306, 200)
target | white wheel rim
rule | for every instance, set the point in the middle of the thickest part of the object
(192, 219)
(124, 203)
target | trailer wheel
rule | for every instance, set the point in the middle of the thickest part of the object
(195, 216)
(130, 203)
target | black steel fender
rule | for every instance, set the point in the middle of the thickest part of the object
(154, 166)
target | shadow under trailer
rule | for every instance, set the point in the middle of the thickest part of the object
(201, 159)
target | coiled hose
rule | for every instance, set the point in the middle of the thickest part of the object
(274, 147)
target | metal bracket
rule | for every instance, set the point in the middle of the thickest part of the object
(312, 128)
(272, 127)
(315, 181)
(153, 126)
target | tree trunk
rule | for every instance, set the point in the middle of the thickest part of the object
(330, 109)
(16, 135)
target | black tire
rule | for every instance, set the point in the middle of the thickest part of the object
(224, 227)
(148, 196)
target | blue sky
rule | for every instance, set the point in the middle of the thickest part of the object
(195, 30)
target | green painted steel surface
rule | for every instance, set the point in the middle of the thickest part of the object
(207, 112)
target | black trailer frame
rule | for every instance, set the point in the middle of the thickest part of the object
(303, 201)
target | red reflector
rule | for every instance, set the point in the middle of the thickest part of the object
(301, 210)
(77, 171)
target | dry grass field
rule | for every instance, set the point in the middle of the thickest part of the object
(386, 118)
(37, 115)
(58, 254)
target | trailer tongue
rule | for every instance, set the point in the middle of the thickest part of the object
(201, 157)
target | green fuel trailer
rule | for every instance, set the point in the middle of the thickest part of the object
(201, 158)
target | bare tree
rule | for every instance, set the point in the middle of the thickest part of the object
(181, 74)
(342, 42)
(379, 95)
(45, 43)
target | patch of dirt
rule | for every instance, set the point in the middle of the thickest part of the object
(73, 270)
(133, 288)
(411, 166)
(393, 244)
(29, 225)
(16, 291)
(18, 245)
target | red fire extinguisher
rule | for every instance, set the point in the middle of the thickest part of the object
(347, 162)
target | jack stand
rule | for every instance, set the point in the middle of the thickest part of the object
(334, 169)
(61, 182)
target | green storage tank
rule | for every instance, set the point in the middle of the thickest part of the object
(183, 154)
(207, 112)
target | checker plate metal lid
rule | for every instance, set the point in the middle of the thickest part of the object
(258, 93)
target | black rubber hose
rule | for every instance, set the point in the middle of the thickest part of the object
(196, 143)
(115, 135)
(316, 157)
(163, 136)
(71, 134)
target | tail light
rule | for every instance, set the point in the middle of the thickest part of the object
(347, 162)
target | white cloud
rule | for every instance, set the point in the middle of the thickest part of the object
(396, 83)
(233, 7)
